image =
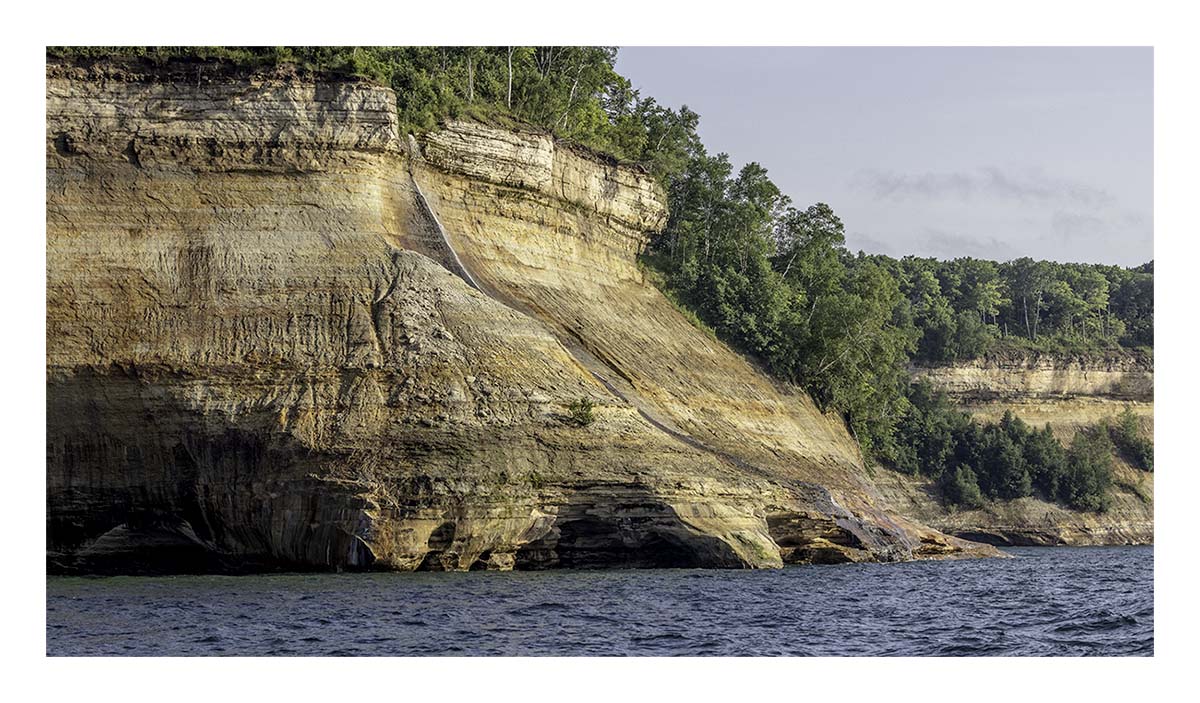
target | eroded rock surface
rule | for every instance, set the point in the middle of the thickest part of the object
(264, 352)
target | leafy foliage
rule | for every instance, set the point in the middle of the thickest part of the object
(1089, 470)
(1127, 436)
(971, 461)
(962, 488)
(777, 282)
(966, 307)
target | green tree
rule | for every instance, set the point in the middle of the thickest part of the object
(1089, 471)
(1047, 461)
(809, 245)
(934, 317)
(1028, 280)
(962, 488)
(1128, 438)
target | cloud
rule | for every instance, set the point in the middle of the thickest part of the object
(985, 182)
(936, 243)
(944, 245)
(992, 213)
(1069, 226)
(1127, 229)
(862, 242)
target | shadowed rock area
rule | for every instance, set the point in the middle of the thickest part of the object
(283, 335)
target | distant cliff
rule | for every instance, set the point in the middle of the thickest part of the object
(282, 334)
(1068, 392)
(1034, 376)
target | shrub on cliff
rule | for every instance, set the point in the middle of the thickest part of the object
(1004, 469)
(1133, 444)
(581, 411)
(929, 437)
(1047, 460)
(962, 489)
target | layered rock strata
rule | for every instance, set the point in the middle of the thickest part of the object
(280, 334)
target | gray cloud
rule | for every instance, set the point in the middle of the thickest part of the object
(944, 245)
(1069, 226)
(936, 243)
(1126, 230)
(987, 182)
(871, 245)
(897, 139)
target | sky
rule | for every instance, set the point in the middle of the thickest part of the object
(993, 153)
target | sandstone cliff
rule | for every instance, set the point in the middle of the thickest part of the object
(1067, 393)
(282, 334)
(1040, 376)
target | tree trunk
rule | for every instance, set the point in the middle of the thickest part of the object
(789, 264)
(571, 97)
(1037, 314)
(510, 53)
(470, 80)
(545, 61)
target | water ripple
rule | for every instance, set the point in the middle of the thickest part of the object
(1048, 602)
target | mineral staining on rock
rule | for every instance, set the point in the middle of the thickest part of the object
(261, 353)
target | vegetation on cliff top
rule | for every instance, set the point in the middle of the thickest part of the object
(777, 282)
(572, 91)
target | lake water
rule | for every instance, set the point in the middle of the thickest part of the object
(1048, 601)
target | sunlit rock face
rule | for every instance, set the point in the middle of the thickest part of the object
(282, 334)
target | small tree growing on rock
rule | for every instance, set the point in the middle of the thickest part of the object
(581, 411)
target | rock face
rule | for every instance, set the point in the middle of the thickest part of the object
(1067, 393)
(280, 334)
(1035, 376)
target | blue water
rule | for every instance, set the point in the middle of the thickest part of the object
(1046, 602)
